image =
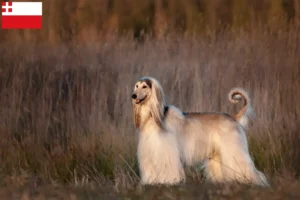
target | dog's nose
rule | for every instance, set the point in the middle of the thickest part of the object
(133, 96)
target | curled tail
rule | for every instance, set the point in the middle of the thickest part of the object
(247, 112)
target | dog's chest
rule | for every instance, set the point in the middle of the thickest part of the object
(155, 146)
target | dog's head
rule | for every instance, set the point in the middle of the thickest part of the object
(142, 91)
(149, 93)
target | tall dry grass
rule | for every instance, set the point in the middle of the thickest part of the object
(94, 20)
(66, 113)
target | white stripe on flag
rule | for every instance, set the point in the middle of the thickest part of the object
(24, 8)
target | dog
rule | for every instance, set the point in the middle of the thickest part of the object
(170, 139)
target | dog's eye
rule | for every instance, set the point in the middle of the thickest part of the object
(136, 86)
(144, 86)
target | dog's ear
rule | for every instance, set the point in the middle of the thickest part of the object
(136, 116)
(157, 104)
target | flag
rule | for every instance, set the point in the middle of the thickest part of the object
(21, 15)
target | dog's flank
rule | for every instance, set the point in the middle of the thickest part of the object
(169, 138)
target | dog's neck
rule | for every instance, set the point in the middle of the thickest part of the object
(142, 115)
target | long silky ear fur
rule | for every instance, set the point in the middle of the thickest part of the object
(157, 104)
(136, 116)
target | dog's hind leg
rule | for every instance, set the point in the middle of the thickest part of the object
(236, 163)
(213, 169)
(212, 166)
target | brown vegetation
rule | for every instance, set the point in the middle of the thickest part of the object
(95, 20)
(66, 110)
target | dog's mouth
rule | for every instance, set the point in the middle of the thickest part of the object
(138, 101)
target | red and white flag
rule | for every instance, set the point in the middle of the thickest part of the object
(22, 15)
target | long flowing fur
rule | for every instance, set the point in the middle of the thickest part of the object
(167, 140)
(158, 150)
(157, 103)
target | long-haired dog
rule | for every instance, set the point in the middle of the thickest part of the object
(169, 138)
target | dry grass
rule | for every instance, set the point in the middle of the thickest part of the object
(94, 20)
(66, 115)
(285, 190)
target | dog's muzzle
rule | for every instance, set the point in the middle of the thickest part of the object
(136, 100)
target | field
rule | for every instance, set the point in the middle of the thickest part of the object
(66, 126)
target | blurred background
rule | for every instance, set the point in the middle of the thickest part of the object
(94, 20)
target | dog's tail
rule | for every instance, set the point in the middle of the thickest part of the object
(247, 112)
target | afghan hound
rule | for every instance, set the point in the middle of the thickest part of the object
(170, 138)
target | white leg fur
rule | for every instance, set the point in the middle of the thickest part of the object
(158, 157)
(213, 169)
(236, 162)
(212, 166)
